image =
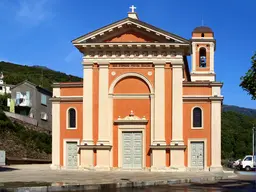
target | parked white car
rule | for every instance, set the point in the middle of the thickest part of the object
(248, 162)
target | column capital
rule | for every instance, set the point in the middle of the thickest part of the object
(159, 64)
(87, 65)
(177, 65)
(103, 64)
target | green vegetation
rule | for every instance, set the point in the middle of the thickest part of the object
(24, 140)
(14, 74)
(3, 102)
(249, 80)
(236, 135)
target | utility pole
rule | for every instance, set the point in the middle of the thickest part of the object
(253, 140)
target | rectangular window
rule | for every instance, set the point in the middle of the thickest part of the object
(43, 99)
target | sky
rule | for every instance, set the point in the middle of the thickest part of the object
(39, 32)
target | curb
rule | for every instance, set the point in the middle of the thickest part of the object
(95, 187)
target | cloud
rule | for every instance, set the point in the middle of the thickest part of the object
(33, 12)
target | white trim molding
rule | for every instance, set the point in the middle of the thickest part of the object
(88, 104)
(159, 114)
(131, 128)
(192, 118)
(55, 135)
(203, 140)
(216, 136)
(113, 84)
(65, 152)
(103, 132)
(68, 118)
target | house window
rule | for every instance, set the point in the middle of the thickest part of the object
(197, 117)
(71, 118)
(43, 99)
(202, 57)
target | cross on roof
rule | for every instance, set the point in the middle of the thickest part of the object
(132, 8)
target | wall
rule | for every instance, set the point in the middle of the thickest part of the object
(21, 118)
(43, 108)
(70, 133)
(204, 133)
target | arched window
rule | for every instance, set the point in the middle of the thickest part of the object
(197, 117)
(71, 118)
(202, 34)
(202, 57)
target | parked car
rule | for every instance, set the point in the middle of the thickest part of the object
(248, 163)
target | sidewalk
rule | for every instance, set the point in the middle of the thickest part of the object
(95, 179)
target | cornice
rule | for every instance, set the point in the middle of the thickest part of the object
(67, 85)
(202, 84)
(203, 98)
(59, 99)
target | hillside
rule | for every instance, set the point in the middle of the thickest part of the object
(241, 110)
(39, 75)
(19, 141)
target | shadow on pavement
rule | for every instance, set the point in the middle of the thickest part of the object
(5, 169)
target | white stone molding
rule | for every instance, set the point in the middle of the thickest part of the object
(56, 92)
(159, 120)
(193, 56)
(65, 152)
(177, 105)
(192, 117)
(55, 135)
(123, 24)
(103, 132)
(113, 73)
(127, 53)
(88, 104)
(212, 57)
(137, 128)
(67, 118)
(113, 84)
(204, 140)
(131, 118)
(216, 136)
(131, 96)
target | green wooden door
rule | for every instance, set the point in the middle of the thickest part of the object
(71, 154)
(132, 150)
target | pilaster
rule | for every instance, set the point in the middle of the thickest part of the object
(177, 155)
(103, 155)
(55, 134)
(216, 136)
(177, 104)
(159, 111)
(193, 56)
(212, 57)
(104, 132)
(87, 104)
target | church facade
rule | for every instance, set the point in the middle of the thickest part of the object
(139, 106)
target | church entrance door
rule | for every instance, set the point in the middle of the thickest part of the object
(132, 150)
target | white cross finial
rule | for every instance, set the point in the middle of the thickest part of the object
(132, 8)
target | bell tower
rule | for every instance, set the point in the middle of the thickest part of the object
(203, 48)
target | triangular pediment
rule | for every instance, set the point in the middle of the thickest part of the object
(130, 30)
(130, 36)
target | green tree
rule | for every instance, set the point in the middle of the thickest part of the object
(249, 80)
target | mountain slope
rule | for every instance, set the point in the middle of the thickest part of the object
(241, 110)
(14, 74)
